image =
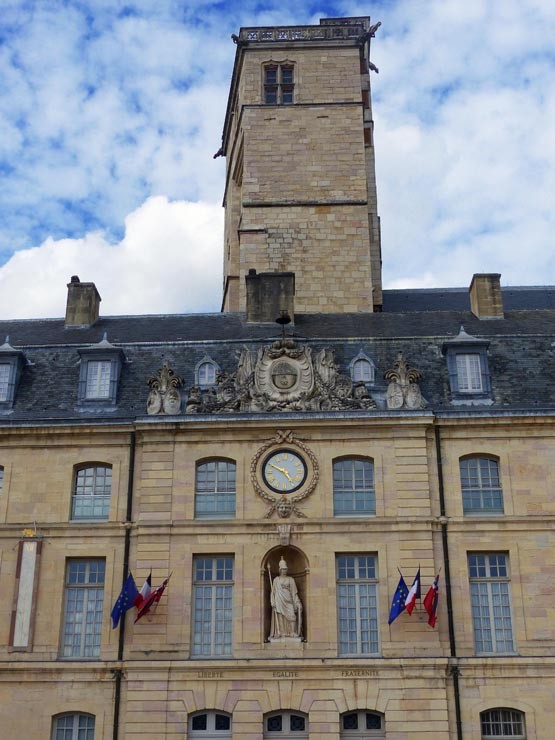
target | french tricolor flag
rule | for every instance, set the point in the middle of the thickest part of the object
(413, 594)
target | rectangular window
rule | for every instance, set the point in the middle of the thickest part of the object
(491, 602)
(212, 605)
(481, 487)
(469, 373)
(91, 493)
(5, 371)
(84, 598)
(357, 604)
(353, 487)
(98, 379)
(279, 84)
(215, 490)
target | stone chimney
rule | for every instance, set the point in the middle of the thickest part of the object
(83, 302)
(486, 301)
(268, 294)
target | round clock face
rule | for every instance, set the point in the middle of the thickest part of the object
(284, 471)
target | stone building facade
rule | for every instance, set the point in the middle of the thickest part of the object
(367, 432)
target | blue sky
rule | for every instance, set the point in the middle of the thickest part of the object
(110, 113)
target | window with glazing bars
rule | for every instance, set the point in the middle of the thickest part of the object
(357, 604)
(363, 370)
(76, 726)
(469, 373)
(491, 602)
(215, 490)
(84, 598)
(288, 724)
(5, 373)
(279, 84)
(98, 379)
(481, 488)
(361, 725)
(353, 487)
(91, 493)
(503, 724)
(212, 605)
(207, 725)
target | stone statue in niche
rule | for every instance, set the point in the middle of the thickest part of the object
(283, 376)
(287, 610)
(164, 398)
(403, 391)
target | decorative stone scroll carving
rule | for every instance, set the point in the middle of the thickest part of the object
(403, 391)
(284, 376)
(164, 398)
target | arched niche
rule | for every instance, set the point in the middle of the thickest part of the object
(298, 569)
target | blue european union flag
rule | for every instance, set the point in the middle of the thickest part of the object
(398, 602)
(125, 600)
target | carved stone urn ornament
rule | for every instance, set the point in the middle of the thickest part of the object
(164, 398)
(403, 390)
(284, 471)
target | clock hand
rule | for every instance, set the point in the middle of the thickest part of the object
(282, 470)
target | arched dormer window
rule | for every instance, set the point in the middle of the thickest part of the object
(206, 372)
(353, 487)
(362, 368)
(502, 724)
(481, 485)
(215, 489)
(210, 725)
(92, 487)
(73, 726)
(289, 724)
(279, 83)
(362, 725)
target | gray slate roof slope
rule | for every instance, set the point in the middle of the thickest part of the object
(521, 355)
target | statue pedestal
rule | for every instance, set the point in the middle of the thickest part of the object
(285, 647)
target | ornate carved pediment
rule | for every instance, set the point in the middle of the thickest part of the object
(403, 391)
(164, 398)
(284, 376)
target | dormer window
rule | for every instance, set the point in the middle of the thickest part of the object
(98, 379)
(362, 369)
(279, 84)
(467, 364)
(11, 365)
(206, 372)
(469, 373)
(99, 376)
(5, 374)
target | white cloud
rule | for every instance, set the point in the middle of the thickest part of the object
(103, 108)
(155, 268)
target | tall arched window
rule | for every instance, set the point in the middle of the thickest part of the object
(92, 487)
(210, 725)
(73, 726)
(290, 724)
(503, 724)
(1, 477)
(481, 486)
(215, 490)
(362, 725)
(353, 487)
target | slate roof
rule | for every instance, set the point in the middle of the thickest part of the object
(520, 352)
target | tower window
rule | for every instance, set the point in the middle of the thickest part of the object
(279, 84)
